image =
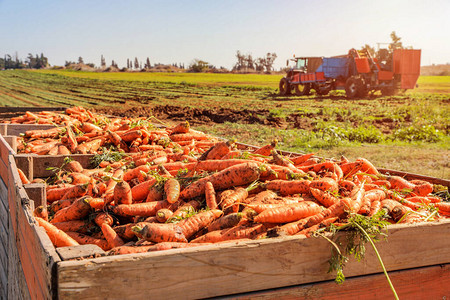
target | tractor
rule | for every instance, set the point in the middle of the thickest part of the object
(358, 73)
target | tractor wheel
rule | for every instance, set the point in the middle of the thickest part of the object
(351, 87)
(362, 89)
(285, 87)
(302, 89)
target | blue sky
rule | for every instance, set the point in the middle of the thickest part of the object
(179, 31)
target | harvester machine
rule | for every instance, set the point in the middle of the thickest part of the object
(358, 73)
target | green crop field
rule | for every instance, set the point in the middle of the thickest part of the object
(408, 132)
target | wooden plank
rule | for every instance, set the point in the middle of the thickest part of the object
(3, 129)
(34, 268)
(17, 129)
(12, 142)
(245, 266)
(40, 250)
(3, 171)
(37, 193)
(42, 162)
(3, 196)
(25, 163)
(3, 244)
(80, 251)
(420, 283)
(3, 284)
(17, 287)
(5, 149)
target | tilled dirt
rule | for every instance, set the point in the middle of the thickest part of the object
(198, 116)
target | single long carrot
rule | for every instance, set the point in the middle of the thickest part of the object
(111, 236)
(285, 188)
(193, 224)
(156, 232)
(58, 237)
(325, 184)
(234, 233)
(172, 190)
(145, 209)
(122, 193)
(79, 209)
(22, 176)
(324, 198)
(84, 239)
(236, 175)
(227, 221)
(288, 213)
(336, 210)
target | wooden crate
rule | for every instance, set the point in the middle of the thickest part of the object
(34, 269)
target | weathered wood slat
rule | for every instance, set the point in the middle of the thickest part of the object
(39, 164)
(41, 258)
(248, 266)
(37, 193)
(25, 163)
(12, 142)
(17, 129)
(418, 283)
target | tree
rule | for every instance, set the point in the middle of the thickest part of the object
(269, 60)
(198, 66)
(395, 44)
(147, 64)
(80, 60)
(136, 63)
(102, 61)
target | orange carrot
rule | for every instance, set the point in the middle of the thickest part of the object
(172, 190)
(74, 225)
(75, 191)
(324, 198)
(41, 212)
(139, 192)
(74, 166)
(325, 184)
(58, 237)
(234, 233)
(301, 159)
(227, 221)
(399, 184)
(217, 151)
(375, 207)
(22, 176)
(288, 213)
(233, 176)
(163, 215)
(336, 210)
(122, 193)
(111, 236)
(97, 203)
(103, 218)
(156, 232)
(210, 196)
(193, 224)
(155, 192)
(131, 249)
(145, 209)
(267, 149)
(185, 209)
(285, 188)
(84, 239)
(181, 128)
(79, 209)
(131, 135)
(78, 178)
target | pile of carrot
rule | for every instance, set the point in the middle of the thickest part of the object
(193, 190)
(81, 131)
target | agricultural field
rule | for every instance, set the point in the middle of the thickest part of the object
(408, 132)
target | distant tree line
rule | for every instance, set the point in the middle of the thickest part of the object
(31, 62)
(246, 63)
